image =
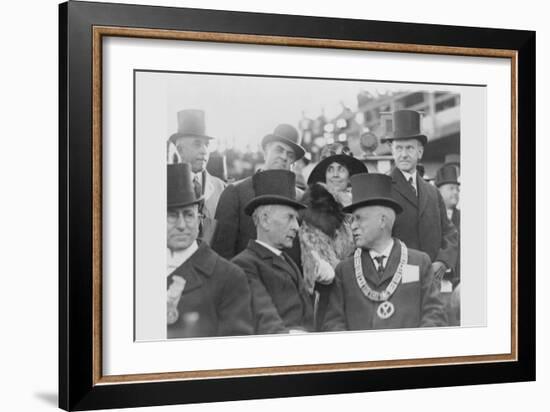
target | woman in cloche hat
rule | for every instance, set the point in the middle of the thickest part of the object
(325, 233)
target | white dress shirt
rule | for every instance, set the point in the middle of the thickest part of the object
(269, 247)
(408, 176)
(386, 253)
(175, 259)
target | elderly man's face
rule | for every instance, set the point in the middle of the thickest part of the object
(182, 227)
(406, 154)
(366, 226)
(281, 226)
(194, 150)
(450, 192)
(279, 155)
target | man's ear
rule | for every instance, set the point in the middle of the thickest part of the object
(420, 150)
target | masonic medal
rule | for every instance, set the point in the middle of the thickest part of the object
(385, 310)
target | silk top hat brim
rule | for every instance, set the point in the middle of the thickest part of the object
(420, 137)
(353, 165)
(446, 182)
(180, 189)
(186, 203)
(372, 189)
(379, 201)
(299, 151)
(271, 200)
(176, 136)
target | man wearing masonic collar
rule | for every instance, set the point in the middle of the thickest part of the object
(384, 285)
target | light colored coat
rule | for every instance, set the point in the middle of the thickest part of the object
(211, 190)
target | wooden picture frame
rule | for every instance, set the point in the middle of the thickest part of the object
(83, 26)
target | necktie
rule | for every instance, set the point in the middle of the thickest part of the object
(198, 186)
(412, 185)
(380, 262)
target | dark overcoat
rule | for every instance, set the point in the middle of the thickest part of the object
(416, 300)
(423, 223)
(216, 300)
(234, 227)
(280, 301)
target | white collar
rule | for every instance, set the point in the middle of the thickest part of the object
(408, 175)
(175, 259)
(386, 252)
(269, 247)
(198, 176)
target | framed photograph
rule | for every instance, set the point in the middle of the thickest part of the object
(245, 155)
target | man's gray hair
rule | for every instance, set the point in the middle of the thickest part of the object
(259, 211)
(389, 215)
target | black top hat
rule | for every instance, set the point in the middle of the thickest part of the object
(339, 154)
(273, 187)
(406, 125)
(374, 189)
(179, 186)
(217, 165)
(190, 124)
(287, 134)
(447, 174)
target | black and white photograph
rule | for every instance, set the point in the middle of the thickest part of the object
(305, 205)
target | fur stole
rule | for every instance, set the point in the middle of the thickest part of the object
(323, 211)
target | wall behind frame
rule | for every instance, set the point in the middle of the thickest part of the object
(28, 213)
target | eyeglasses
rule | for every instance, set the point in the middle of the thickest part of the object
(189, 216)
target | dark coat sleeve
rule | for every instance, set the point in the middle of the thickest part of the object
(448, 252)
(266, 316)
(234, 309)
(433, 313)
(224, 242)
(335, 317)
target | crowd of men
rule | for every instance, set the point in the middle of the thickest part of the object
(233, 260)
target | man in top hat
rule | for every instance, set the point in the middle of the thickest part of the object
(235, 228)
(280, 301)
(423, 224)
(385, 284)
(447, 181)
(206, 294)
(192, 144)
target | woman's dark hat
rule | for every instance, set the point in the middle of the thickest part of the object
(191, 123)
(339, 154)
(288, 134)
(406, 125)
(447, 174)
(273, 187)
(372, 189)
(179, 186)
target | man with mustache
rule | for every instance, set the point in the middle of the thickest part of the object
(235, 228)
(206, 294)
(423, 224)
(385, 284)
(280, 301)
(192, 144)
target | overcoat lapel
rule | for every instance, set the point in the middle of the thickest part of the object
(423, 194)
(200, 265)
(188, 272)
(369, 269)
(403, 187)
(277, 261)
(392, 262)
